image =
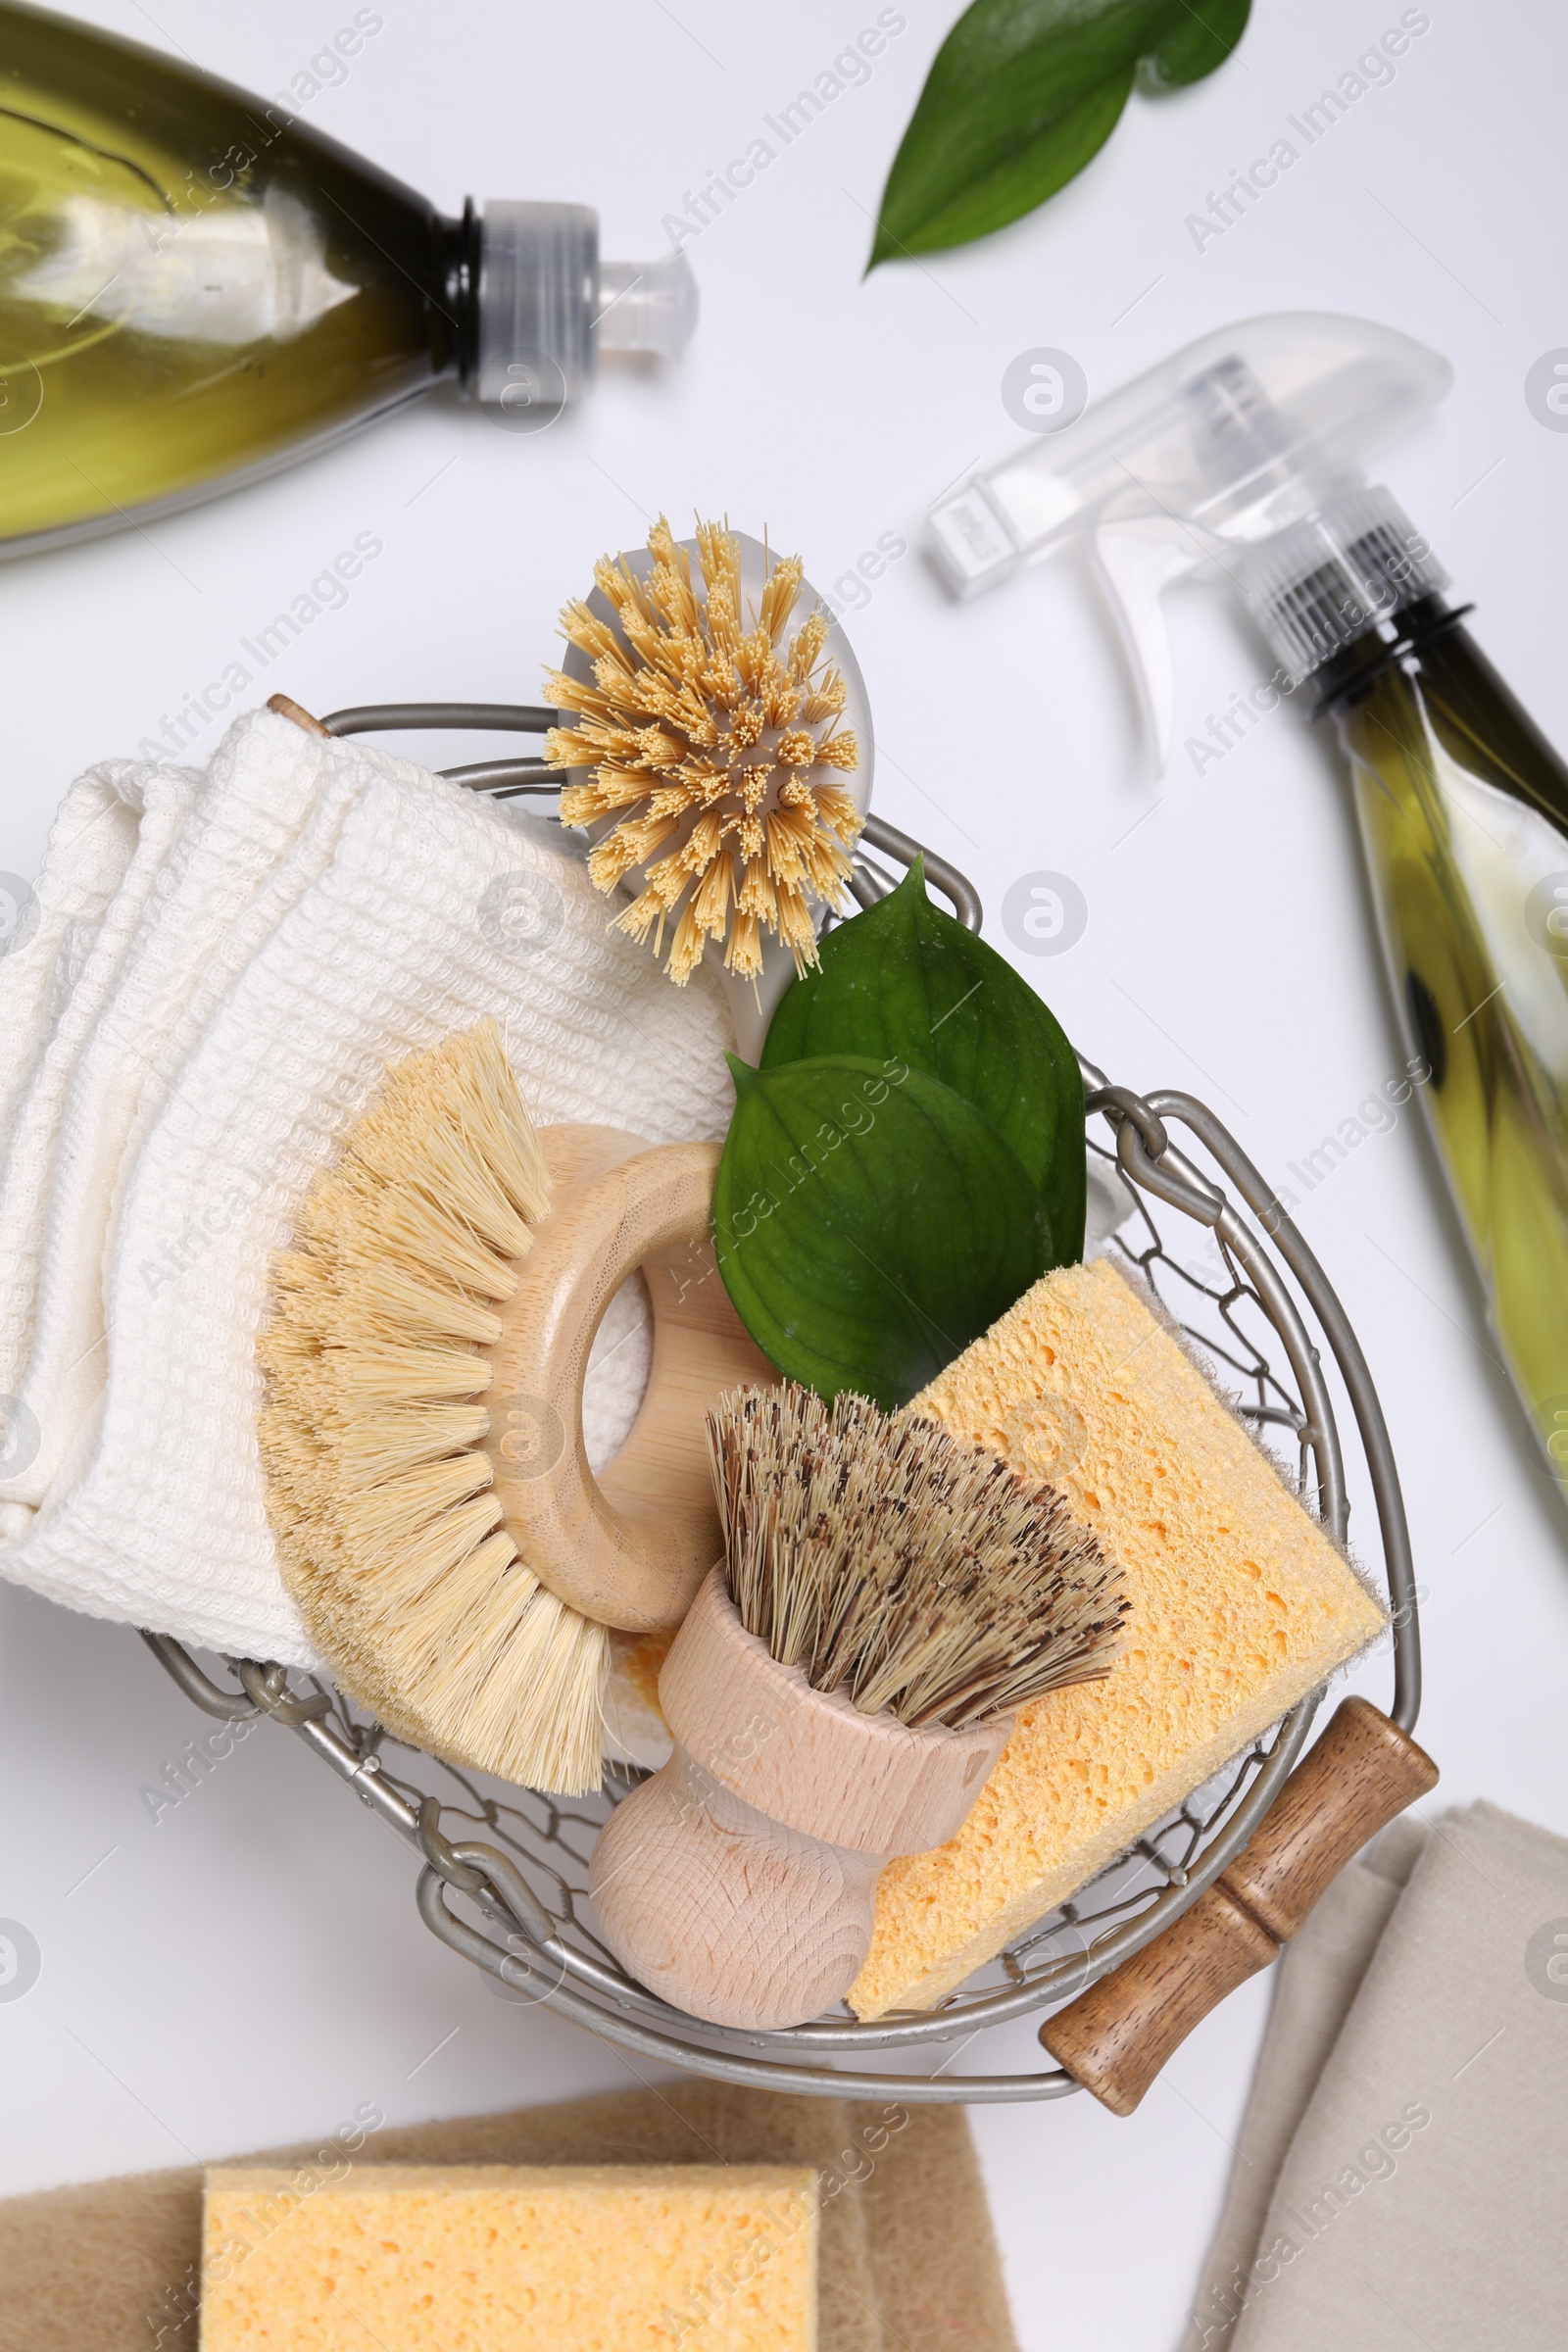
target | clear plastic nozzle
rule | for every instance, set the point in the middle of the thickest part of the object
(1240, 441)
(647, 306)
(548, 306)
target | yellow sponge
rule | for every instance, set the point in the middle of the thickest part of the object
(1240, 1606)
(502, 2258)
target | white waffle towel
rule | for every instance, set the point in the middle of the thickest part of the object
(434, 910)
(47, 931)
(63, 1003)
(47, 928)
(241, 823)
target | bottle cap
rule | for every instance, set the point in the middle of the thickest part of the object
(548, 306)
(1319, 584)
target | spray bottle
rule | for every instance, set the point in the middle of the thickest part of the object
(1245, 455)
(197, 287)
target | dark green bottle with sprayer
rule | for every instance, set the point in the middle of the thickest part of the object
(1463, 809)
(197, 287)
(1242, 456)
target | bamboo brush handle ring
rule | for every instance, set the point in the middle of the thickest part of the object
(1115, 2038)
(739, 1883)
(630, 1548)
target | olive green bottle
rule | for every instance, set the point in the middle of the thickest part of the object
(1463, 813)
(1245, 453)
(197, 287)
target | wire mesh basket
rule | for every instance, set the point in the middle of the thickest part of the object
(1234, 1274)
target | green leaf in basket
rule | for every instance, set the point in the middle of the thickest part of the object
(1021, 94)
(869, 1222)
(905, 980)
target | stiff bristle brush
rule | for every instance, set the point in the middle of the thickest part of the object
(450, 1550)
(715, 745)
(709, 725)
(890, 1596)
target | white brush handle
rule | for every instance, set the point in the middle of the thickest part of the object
(630, 1548)
(739, 1883)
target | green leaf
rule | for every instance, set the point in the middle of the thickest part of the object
(1021, 94)
(904, 980)
(869, 1223)
(1201, 37)
(1018, 182)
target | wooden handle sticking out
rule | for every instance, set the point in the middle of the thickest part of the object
(739, 1884)
(286, 708)
(630, 1548)
(1115, 2038)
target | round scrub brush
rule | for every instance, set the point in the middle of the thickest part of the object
(847, 1678)
(427, 1484)
(720, 751)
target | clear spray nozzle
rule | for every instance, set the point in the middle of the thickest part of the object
(1222, 455)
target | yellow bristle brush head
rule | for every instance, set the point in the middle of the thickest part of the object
(372, 1437)
(719, 761)
(428, 1479)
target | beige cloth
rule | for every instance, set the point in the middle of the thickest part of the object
(1402, 2178)
(908, 2261)
(1317, 1980)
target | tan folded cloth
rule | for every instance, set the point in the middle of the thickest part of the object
(1316, 1981)
(908, 2255)
(1403, 2172)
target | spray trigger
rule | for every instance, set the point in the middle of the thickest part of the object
(1138, 558)
(1222, 455)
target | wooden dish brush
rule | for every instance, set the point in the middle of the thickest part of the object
(448, 1546)
(846, 1679)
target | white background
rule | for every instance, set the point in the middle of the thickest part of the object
(252, 1968)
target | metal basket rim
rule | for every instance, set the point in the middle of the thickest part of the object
(610, 2004)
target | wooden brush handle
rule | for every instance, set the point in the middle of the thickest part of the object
(1115, 2038)
(630, 1548)
(739, 1883)
(812, 1759)
(286, 708)
(724, 1912)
